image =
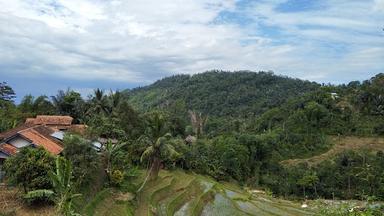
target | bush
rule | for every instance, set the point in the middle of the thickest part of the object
(29, 168)
(83, 157)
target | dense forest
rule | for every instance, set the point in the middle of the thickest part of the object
(219, 93)
(237, 127)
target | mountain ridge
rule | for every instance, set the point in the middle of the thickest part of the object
(221, 93)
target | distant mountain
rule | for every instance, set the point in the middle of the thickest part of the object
(218, 93)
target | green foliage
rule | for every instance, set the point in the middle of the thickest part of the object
(221, 93)
(69, 103)
(36, 106)
(29, 168)
(6, 92)
(39, 196)
(83, 157)
(63, 188)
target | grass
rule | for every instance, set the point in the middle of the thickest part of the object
(341, 144)
(99, 198)
(12, 204)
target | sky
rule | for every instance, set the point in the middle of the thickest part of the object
(47, 45)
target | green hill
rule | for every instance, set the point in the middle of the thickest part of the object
(218, 93)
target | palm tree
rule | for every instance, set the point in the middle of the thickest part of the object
(115, 98)
(99, 102)
(159, 147)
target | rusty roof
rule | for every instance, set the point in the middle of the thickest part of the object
(8, 149)
(50, 120)
(39, 138)
(13, 131)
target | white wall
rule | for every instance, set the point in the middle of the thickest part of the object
(19, 142)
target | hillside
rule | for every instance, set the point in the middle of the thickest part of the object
(179, 193)
(340, 145)
(217, 93)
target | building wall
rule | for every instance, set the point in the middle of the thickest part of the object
(19, 142)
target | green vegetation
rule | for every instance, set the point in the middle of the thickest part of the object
(291, 138)
(29, 169)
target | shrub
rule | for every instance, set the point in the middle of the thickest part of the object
(29, 168)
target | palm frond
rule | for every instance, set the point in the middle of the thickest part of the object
(39, 194)
(147, 153)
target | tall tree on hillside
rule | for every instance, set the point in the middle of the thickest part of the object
(159, 147)
(198, 121)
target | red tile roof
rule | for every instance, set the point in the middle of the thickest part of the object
(40, 140)
(8, 149)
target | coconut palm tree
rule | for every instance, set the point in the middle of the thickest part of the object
(115, 98)
(159, 146)
(99, 102)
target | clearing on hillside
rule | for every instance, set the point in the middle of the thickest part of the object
(341, 144)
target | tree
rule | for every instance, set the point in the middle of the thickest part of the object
(83, 157)
(309, 180)
(69, 103)
(198, 122)
(99, 103)
(36, 106)
(6, 92)
(29, 168)
(63, 190)
(157, 152)
(159, 147)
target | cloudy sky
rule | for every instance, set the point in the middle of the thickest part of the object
(46, 45)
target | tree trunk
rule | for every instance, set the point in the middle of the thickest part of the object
(155, 168)
(153, 172)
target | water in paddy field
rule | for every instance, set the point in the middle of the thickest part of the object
(184, 210)
(220, 206)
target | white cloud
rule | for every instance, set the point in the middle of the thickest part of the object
(143, 40)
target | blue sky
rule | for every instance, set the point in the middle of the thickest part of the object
(48, 45)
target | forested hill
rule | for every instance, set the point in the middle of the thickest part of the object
(218, 93)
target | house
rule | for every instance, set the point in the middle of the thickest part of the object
(43, 131)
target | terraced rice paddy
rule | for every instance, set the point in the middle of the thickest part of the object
(180, 194)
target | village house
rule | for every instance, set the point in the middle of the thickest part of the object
(43, 131)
